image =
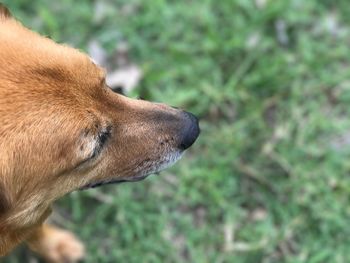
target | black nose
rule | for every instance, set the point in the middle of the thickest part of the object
(190, 130)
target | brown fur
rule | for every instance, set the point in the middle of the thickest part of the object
(55, 110)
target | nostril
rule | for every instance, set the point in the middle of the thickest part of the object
(183, 146)
(190, 131)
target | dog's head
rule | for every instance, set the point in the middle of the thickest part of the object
(63, 129)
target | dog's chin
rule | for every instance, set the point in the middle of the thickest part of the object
(141, 174)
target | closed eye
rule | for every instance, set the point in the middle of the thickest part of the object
(102, 138)
(93, 145)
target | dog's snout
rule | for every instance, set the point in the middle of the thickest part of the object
(190, 130)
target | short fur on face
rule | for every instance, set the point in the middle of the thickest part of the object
(63, 129)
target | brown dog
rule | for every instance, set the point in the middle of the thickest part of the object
(63, 129)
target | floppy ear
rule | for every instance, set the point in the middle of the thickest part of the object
(4, 12)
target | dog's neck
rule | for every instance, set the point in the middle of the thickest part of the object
(11, 236)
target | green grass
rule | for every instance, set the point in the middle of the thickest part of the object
(268, 180)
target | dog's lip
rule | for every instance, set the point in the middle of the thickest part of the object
(113, 181)
(140, 176)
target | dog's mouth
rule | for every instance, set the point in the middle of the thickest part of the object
(115, 181)
(142, 172)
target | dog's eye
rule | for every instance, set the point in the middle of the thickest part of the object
(92, 145)
(102, 138)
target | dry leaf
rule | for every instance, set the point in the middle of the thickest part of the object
(122, 75)
(97, 53)
(125, 78)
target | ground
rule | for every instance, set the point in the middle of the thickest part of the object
(268, 180)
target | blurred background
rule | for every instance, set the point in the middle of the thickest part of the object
(268, 180)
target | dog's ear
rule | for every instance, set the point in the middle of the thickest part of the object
(4, 200)
(4, 12)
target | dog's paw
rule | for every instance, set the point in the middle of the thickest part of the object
(58, 246)
(65, 247)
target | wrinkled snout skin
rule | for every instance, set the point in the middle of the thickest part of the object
(62, 129)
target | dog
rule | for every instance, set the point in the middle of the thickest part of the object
(62, 129)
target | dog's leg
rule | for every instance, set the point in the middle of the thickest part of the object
(56, 245)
